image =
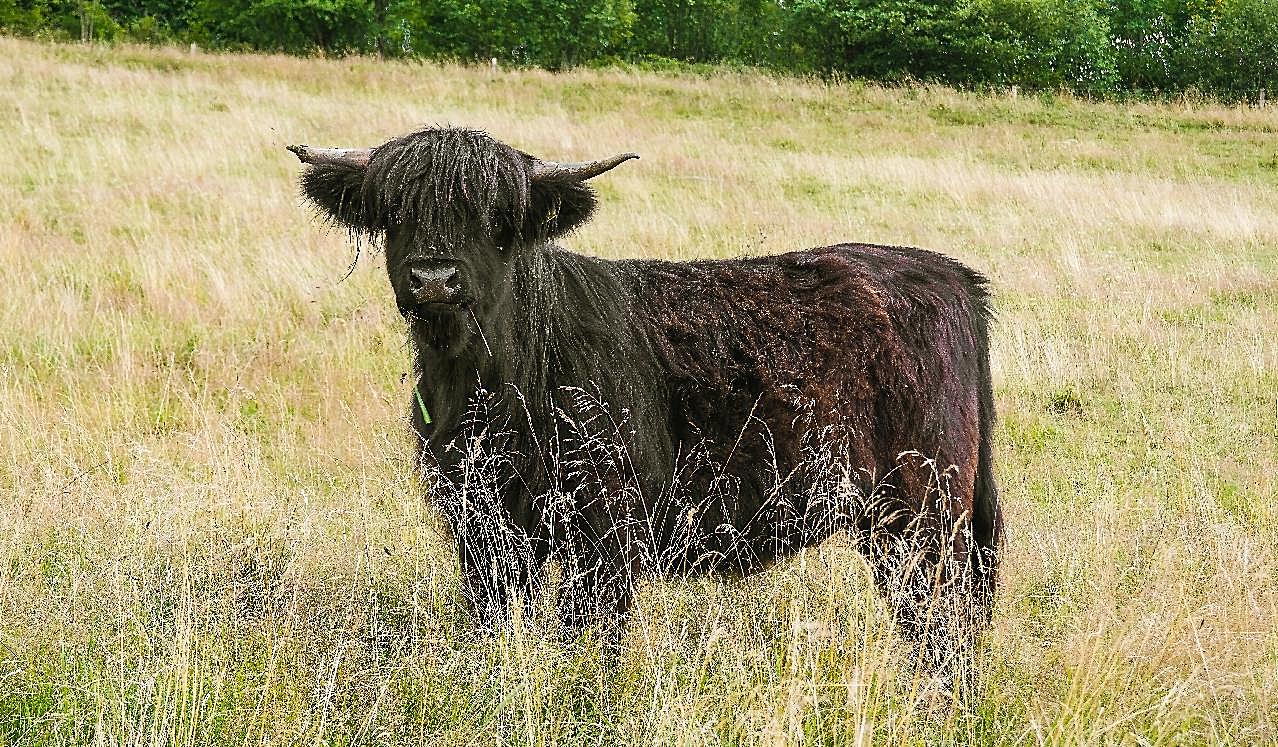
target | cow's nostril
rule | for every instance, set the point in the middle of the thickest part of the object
(432, 285)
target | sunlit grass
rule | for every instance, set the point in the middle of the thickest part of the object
(211, 536)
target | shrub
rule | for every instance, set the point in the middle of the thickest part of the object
(549, 33)
(1232, 47)
(1038, 43)
(296, 26)
(1146, 38)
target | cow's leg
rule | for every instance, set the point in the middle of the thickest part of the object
(920, 564)
(597, 590)
(499, 567)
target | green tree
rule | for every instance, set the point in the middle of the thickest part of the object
(1147, 37)
(550, 33)
(297, 26)
(1036, 43)
(880, 39)
(1232, 47)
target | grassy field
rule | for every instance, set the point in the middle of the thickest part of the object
(209, 533)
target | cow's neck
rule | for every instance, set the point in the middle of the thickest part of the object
(510, 341)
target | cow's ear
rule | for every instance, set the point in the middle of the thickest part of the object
(334, 181)
(557, 207)
(338, 192)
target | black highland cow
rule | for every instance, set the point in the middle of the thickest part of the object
(638, 417)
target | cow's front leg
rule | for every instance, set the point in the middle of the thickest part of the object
(596, 591)
(500, 566)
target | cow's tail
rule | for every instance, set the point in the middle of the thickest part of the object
(987, 516)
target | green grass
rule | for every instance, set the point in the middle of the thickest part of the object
(210, 534)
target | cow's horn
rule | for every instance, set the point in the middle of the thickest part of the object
(356, 158)
(577, 171)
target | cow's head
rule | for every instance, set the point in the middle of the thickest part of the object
(455, 209)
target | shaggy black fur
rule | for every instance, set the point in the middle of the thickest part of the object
(638, 417)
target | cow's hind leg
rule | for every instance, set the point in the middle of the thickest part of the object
(920, 564)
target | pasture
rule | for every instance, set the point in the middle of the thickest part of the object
(210, 533)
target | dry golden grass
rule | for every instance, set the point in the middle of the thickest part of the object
(210, 535)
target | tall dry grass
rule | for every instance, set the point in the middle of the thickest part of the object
(210, 535)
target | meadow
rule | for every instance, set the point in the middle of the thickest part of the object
(209, 529)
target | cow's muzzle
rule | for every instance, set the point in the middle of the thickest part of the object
(434, 285)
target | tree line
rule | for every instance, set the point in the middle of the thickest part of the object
(1226, 48)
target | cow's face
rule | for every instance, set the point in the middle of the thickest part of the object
(456, 210)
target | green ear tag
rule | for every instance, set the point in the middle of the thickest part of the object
(421, 404)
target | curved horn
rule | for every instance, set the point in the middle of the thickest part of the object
(355, 158)
(577, 171)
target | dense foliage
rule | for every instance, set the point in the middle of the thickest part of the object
(1225, 47)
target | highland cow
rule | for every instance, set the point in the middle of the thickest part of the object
(641, 417)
